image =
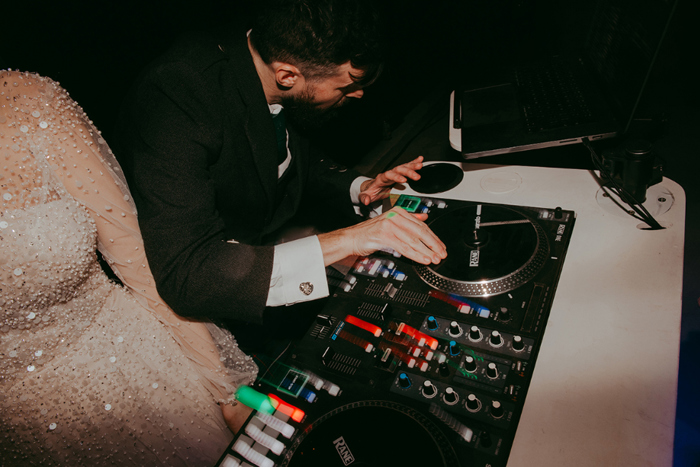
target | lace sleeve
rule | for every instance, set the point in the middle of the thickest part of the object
(88, 170)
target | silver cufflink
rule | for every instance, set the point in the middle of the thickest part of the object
(306, 288)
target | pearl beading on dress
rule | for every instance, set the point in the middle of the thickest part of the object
(89, 374)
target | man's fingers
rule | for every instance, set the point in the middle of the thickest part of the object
(407, 171)
(415, 239)
(403, 172)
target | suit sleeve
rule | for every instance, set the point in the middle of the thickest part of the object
(169, 135)
(328, 189)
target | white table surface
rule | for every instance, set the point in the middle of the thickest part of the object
(603, 391)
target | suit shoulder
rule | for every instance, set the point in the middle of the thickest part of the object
(198, 51)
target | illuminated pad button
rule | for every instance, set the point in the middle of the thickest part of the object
(483, 313)
(243, 446)
(276, 424)
(292, 412)
(266, 440)
(331, 388)
(230, 461)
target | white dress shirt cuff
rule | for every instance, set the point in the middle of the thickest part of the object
(298, 273)
(373, 209)
(355, 189)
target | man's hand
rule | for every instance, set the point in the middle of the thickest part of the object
(398, 230)
(379, 188)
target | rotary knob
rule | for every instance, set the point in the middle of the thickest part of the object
(429, 390)
(495, 339)
(470, 364)
(492, 371)
(473, 403)
(450, 397)
(432, 323)
(455, 329)
(475, 333)
(454, 348)
(404, 381)
(444, 370)
(496, 409)
(485, 439)
(518, 343)
(504, 314)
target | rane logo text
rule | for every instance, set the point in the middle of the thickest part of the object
(344, 451)
(474, 259)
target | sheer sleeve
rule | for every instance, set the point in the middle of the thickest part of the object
(82, 161)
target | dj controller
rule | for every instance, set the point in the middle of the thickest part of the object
(413, 365)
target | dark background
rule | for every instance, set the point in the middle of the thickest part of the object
(95, 49)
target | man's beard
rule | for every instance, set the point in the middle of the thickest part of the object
(304, 115)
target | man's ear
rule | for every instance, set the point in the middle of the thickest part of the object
(286, 75)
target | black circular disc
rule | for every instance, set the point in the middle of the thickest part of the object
(371, 434)
(490, 250)
(436, 178)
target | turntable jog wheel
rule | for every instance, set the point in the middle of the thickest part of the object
(371, 433)
(490, 250)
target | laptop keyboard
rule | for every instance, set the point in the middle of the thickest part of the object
(552, 96)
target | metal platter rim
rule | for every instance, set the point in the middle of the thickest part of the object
(485, 286)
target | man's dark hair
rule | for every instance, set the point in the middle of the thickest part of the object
(318, 35)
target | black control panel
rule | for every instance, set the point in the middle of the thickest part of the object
(424, 365)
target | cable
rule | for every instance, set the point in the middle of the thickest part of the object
(642, 213)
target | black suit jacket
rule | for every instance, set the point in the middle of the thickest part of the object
(198, 147)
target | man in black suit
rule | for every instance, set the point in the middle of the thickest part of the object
(214, 173)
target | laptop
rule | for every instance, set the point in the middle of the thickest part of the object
(562, 99)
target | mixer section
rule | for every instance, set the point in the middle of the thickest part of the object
(410, 364)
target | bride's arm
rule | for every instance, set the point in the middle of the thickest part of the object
(82, 161)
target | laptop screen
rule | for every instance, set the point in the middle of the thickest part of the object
(591, 92)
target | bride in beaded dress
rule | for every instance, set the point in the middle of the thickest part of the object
(92, 373)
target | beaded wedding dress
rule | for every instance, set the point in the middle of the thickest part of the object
(91, 372)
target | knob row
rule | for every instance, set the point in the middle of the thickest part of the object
(451, 397)
(471, 366)
(474, 335)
